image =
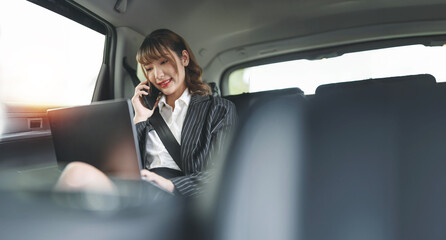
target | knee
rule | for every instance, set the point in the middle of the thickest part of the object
(78, 172)
(79, 169)
(79, 176)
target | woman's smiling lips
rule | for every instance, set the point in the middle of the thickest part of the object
(164, 83)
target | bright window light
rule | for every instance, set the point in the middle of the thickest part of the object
(309, 74)
(45, 58)
(2, 119)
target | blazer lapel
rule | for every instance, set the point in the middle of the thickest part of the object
(190, 121)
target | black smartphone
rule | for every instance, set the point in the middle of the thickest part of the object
(150, 100)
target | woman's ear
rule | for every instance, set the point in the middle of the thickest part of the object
(185, 58)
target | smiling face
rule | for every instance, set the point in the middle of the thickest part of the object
(167, 73)
(170, 65)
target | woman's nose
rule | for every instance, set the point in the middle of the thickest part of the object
(159, 73)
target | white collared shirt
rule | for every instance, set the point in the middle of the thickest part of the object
(156, 152)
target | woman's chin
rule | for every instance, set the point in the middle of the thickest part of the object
(167, 92)
(172, 90)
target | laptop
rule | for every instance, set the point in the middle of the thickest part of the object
(101, 134)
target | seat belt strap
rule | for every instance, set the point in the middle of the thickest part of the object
(166, 137)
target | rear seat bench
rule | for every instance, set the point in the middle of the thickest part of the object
(373, 156)
(245, 101)
(376, 144)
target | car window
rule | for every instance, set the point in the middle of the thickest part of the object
(309, 74)
(46, 59)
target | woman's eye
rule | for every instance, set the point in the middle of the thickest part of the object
(148, 69)
(164, 61)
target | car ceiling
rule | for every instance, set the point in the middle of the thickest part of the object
(214, 26)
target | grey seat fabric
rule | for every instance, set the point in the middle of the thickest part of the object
(376, 161)
(261, 180)
(245, 101)
(358, 161)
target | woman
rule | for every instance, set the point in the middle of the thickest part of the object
(199, 122)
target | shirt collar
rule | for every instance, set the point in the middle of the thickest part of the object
(184, 98)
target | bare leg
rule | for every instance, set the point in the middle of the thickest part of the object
(79, 176)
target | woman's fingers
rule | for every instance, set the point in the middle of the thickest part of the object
(157, 179)
(145, 172)
(149, 175)
(142, 113)
(142, 92)
(141, 87)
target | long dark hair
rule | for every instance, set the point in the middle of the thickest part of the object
(155, 46)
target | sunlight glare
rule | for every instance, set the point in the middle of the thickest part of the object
(2, 118)
(50, 60)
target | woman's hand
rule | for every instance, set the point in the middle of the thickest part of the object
(142, 113)
(160, 181)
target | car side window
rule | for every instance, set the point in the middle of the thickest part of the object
(46, 59)
(309, 74)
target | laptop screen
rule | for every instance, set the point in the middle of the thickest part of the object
(101, 134)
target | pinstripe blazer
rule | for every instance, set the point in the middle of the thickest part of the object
(208, 123)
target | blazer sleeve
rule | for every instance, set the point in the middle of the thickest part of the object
(224, 119)
(141, 129)
(141, 133)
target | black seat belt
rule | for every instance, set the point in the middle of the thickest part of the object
(158, 123)
(166, 136)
